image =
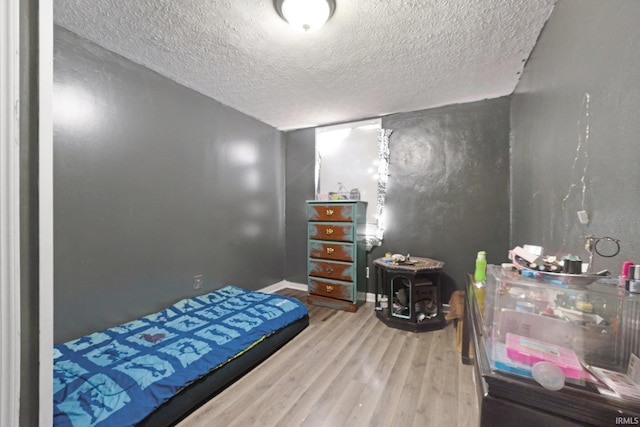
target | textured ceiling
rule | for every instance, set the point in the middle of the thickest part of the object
(373, 57)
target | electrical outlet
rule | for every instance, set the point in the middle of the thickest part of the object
(197, 281)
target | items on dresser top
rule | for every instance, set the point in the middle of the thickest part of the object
(336, 249)
(411, 262)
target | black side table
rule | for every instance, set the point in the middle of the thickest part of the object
(414, 296)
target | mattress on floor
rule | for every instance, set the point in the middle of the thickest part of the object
(119, 376)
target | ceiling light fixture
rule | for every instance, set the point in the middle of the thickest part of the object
(305, 15)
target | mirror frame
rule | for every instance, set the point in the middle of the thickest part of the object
(383, 180)
(374, 231)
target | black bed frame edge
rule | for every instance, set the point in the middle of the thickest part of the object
(199, 392)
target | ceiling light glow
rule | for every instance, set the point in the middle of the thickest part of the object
(305, 15)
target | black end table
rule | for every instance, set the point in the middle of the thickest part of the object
(414, 296)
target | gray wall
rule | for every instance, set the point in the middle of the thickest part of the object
(300, 184)
(575, 131)
(448, 193)
(154, 183)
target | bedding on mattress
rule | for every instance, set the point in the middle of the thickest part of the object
(118, 376)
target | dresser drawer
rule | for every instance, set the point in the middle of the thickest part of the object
(331, 231)
(331, 270)
(334, 251)
(331, 212)
(331, 289)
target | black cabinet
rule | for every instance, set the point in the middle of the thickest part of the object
(408, 295)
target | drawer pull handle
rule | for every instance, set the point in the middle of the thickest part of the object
(329, 289)
(329, 270)
(329, 212)
(329, 231)
(330, 251)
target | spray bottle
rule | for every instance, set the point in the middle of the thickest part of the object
(480, 279)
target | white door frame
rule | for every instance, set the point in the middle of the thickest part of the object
(10, 347)
(45, 207)
(9, 214)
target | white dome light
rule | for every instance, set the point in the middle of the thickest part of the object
(305, 15)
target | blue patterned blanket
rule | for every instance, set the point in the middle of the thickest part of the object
(118, 376)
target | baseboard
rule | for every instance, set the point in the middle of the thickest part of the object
(370, 297)
(283, 284)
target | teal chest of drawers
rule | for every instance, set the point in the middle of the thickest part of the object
(336, 254)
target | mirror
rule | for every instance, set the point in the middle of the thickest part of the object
(352, 163)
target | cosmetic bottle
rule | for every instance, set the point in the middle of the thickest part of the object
(634, 279)
(623, 279)
(480, 278)
(480, 275)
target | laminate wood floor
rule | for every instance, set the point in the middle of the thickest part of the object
(350, 369)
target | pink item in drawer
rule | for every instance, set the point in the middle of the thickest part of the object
(529, 350)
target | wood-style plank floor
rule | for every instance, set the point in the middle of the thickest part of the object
(350, 369)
